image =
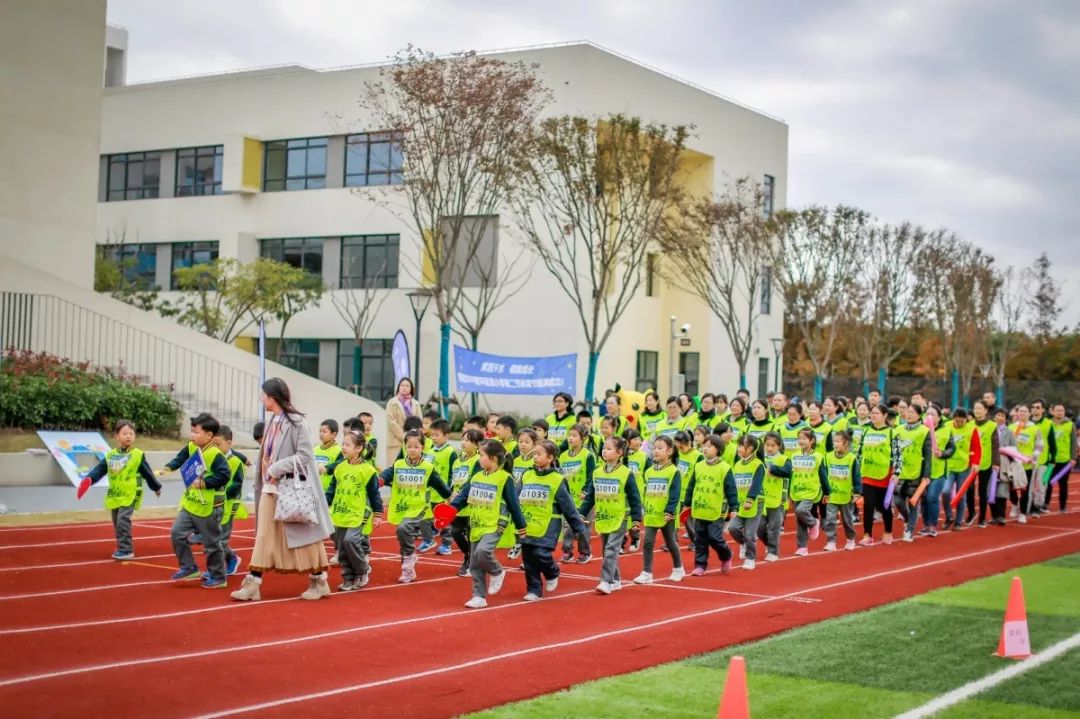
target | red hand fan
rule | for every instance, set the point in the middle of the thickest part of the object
(684, 516)
(444, 515)
(84, 485)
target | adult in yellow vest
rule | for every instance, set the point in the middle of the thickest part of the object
(613, 487)
(561, 418)
(990, 463)
(1062, 451)
(127, 468)
(774, 488)
(202, 504)
(1037, 487)
(942, 448)
(612, 409)
(878, 460)
(492, 501)
(915, 445)
(1029, 443)
(650, 416)
(959, 466)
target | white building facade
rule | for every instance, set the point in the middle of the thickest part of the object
(281, 163)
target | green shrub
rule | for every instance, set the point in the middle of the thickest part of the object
(41, 391)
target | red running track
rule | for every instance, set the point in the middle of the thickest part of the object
(82, 635)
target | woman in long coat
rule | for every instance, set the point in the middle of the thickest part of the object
(400, 406)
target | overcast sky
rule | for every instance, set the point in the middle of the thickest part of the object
(955, 113)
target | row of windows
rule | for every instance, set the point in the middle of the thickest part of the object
(139, 261)
(647, 372)
(137, 175)
(373, 376)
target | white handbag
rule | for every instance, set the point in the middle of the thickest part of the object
(295, 498)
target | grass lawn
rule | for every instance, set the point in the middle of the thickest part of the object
(876, 663)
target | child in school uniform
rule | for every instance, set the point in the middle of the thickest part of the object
(353, 495)
(467, 464)
(662, 492)
(127, 469)
(712, 494)
(422, 425)
(749, 476)
(443, 456)
(577, 465)
(541, 427)
(774, 489)
(809, 485)
(688, 458)
(202, 505)
(636, 461)
(845, 488)
(327, 451)
(493, 504)
(371, 444)
(612, 488)
(505, 431)
(409, 480)
(545, 501)
(234, 490)
(521, 461)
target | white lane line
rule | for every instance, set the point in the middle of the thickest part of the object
(60, 542)
(602, 635)
(978, 686)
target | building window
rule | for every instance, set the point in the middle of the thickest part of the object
(690, 369)
(650, 274)
(188, 254)
(375, 372)
(645, 375)
(372, 159)
(763, 376)
(300, 355)
(303, 252)
(369, 261)
(134, 176)
(295, 164)
(137, 262)
(766, 290)
(198, 170)
(768, 189)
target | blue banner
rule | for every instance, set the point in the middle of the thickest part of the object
(495, 374)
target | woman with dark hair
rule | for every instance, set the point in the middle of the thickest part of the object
(403, 404)
(286, 547)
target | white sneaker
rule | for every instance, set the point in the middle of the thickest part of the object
(408, 570)
(849, 545)
(496, 582)
(643, 578)
(530, 597)
(748, 564)
(771, 558)
(616, 585)
(802, 552)
(603, 588)
(476, 603)
(830, 546)
(515, 552)
(551, 585)
(677, 574)
(1022, 519)
(742, 551)
(1015, 512)
(362, 581)
(908, 537)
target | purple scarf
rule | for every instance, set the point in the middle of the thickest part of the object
(406, 403)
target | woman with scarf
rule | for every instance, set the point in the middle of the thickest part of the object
(400, 406)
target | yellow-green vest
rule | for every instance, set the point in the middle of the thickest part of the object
(805, 479)
(841, 472)
(574, 468)
(409, 491)
(774, 489)
(743, 471)
(686, 463)
(986, 439)
(961, 459)
(609, 490)
(125, 485)
(821, 436)
(912, 441)
(875, 453)
(537, 498)
(558, 429)
(709, 502)
(463, 469)
(1063, 434)
(324, 457)
(657, 485)
(937, 464)
(1025, 440)
(789, 437)
(486, 507)
(521, 465)
(350, 508)
(200, 502)
(234, 508)
(1043, 426)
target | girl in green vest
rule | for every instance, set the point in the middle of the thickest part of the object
(561, 418)
(1062, 451)
(991, 446)
(636, 461)
(915, 445)
(465, 467)
(353, 496)
(612, 488)
(845, 487)
(931, 498)
(809, 485)
(522, 461)
(545, 500)
(127, 468)
(711, 493)
(492, 501)
(749, 475)
(687, 458)
(878, 459)
(577, 465)
(700, 433)
(660, 505)
(774, 489)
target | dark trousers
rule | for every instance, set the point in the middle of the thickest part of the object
(983, 481)
(874, 498)
(459, 531)
(538, 565)
(1062, 486)
(710, 534)
(1019, 498)
(969, 496)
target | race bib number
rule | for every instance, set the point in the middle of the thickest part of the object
(412, 479)
(804, 463)
(117, 463)
(606, 488)
(656, 488)
(535, 495)
(482, 494)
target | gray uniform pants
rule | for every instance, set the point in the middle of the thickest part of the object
(482, 562)
(847, 516)
(668, 530)
(209, 528)
(769, 528)
(352, 554)
(804, 520)
(569, 535)
(407, 532)
(744, 531)
(121, 522)
(612, 543)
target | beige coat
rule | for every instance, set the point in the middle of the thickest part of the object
(294, 440)
(395, 426)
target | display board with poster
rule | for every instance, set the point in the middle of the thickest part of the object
(77, 453)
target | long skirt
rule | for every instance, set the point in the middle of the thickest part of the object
(272, 553)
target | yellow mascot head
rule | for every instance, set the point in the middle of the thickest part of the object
(631, 404)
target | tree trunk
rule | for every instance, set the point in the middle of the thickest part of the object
(882, 380)
(819, 387)
(590, 378)
(444, 367)
(357, 368)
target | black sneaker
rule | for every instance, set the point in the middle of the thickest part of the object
(982, 525)
(463, 570)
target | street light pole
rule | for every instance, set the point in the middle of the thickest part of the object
(671, 359)
(419, 299)
(778, 349)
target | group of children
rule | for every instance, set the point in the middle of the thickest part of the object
(710, 467)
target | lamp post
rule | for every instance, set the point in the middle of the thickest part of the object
(671, 358)
(778, 349)
(419, 299)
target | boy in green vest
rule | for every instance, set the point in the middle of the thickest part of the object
(328, 451)
(127, 468)
(845, 486)
(371, 444)
(444, 458)
(234, 506)
(202, 505)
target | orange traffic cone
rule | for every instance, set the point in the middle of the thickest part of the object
(735, 702)
(1015, 642)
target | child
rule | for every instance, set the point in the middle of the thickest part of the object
(577, 466)
(541, 427)
(592, 438)
(809, 484)
(607, 428)
(775, 490)
(429, 417)
(687, 459)
(409, 480)
(465, 467)
(490, 497)
(700, 433)
(444, 457)
(328, 451)
(489, 425)
(474, 422)
(234, 506)
(416, 424)
(201, 505)
(913, 441)
(353, 495)
(749, 475)
(371, 444)
(505, 429)
(637, 462)
(712, 493)
(662, 491)
(545, 500)
(611, 489)
(127, 468)
(878, 457)
(845, 487)
(522, 461)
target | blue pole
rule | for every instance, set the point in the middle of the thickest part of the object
(999, 395)
(818, 387)
(865, 387)
(882, 376)
(955, 388)
(444, 367)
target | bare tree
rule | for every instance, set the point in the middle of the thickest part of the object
(1043, 300)
(814, 252)
(463, 124)
(721, 254)
(359, 307)
(1010, 312)
(597, 195)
